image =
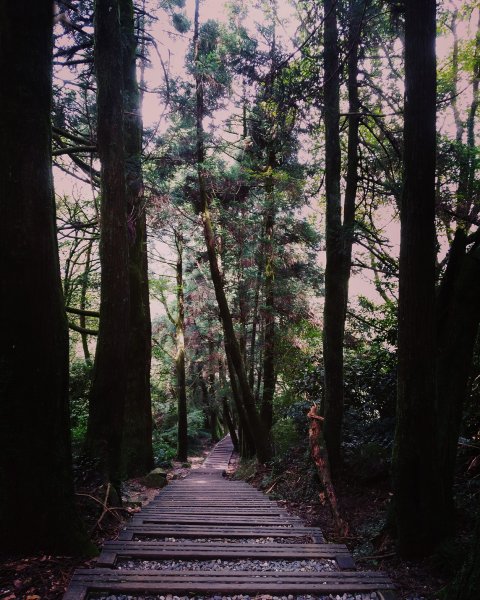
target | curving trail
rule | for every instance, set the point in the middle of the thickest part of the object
(207, 537)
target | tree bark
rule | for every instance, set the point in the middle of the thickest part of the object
(182, 430)
(419, 501)
(227, 415)
(246, 440)
(269, 376)
(334, 307)
(83, 301)
(137, 436)
(37, 511)
(109, 387)
(457, 331)
(320, 458)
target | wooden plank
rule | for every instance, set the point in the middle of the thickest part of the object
(228, 581)
(240, 521)
(208, 551)
(158, 576)
(217, 531)
(207, 510)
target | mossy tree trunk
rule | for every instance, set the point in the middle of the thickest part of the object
(109, 387)
(137, 436)
(37, 510)
(333, 312)
(419, 501)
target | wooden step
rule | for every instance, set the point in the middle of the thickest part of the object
(208, 551)
(87, 581)
(238, 521)
(209, 531)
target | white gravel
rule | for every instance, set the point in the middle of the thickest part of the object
(226, 540)
(305, 566)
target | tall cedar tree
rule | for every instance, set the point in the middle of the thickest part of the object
(232, 347)
(333, 316)
(137, 451)
(419, 501)
(107, 398)
(339, 234)
(179, 322)
(36, 485)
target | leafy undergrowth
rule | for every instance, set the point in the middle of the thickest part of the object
(365, 501)
(46, 577)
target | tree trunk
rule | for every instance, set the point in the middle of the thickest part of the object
(232, 348)
(212, 391)
(246, 441)
(37, 510)
(456, 334)
(334, 308)
(227, 416)
(419, 502)
(269, 376)
(137, 435)
(357, 8)
(253, 339)
(107, 398)
(182, 431)
(83, 302)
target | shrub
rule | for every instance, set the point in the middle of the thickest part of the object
(80, 382)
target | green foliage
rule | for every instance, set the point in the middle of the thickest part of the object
(285, 435)
(80, 382)
(181, 22)
(165, 436)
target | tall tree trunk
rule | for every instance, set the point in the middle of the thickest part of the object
(334, 307)
(212, 391)
(227, 417)
(357, 9)
(37, 511)
(182, 429)
(269, 376)
(232, 348)
(419, 501)
(253, 338)
(137, 436)
(83, 302)
(458, 321)
(246, 440)
(107, 397)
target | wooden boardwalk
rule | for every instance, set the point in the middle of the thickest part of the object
(206, 517)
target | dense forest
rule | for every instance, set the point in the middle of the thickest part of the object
(221, 217)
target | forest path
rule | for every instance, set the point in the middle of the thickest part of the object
(206, 537)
